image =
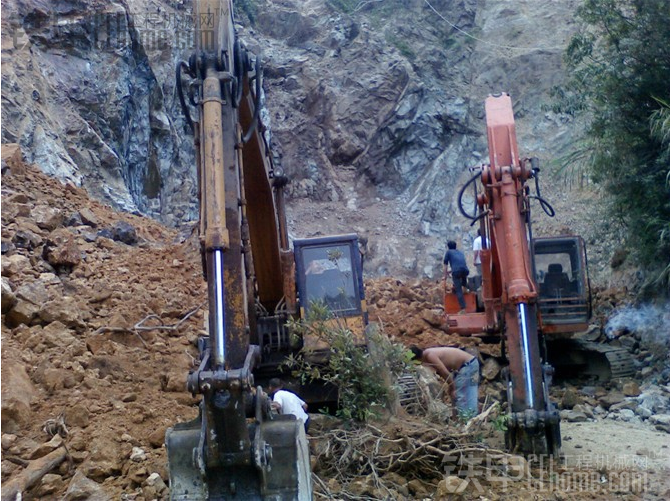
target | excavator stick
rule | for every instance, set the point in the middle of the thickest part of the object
(533, 425)
(236, 448)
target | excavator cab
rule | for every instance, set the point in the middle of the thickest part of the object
(329, 271)
(562, 278)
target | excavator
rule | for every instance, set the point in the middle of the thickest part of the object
(238, 447)
(533, 293)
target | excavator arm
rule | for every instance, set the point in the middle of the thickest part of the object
(533, 424)
(509, 292)
(236, 447)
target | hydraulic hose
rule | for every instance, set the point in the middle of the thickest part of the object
(180, 92)
(472, 218)
(257, 102)
(546, 206)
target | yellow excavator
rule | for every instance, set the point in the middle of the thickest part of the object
(237, 447)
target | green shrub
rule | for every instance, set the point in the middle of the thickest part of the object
(364, 381)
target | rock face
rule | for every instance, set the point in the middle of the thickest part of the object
(375, 111)
(89, 95)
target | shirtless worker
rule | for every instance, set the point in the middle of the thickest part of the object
(460, 370)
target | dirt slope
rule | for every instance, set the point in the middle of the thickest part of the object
(71, 345)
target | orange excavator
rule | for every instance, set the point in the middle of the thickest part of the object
(532, 293)
(509, 303)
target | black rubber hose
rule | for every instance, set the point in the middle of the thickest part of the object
(180, 93)
(257, 103)
(546, 206)
(460, 200)
(238, 70)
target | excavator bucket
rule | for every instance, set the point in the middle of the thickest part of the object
(186, 480)
(280, 469)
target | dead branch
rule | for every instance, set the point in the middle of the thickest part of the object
(481, 418)
(139, 326)
(32, 474)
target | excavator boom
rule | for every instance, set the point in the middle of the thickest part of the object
(510, 295)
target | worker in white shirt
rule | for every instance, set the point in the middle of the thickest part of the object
(477, 250)
(286, 402)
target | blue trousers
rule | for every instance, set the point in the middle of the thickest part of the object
(467, 387)
(460, 281)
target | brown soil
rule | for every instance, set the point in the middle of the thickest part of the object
(118, 387)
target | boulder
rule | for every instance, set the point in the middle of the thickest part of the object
(451, 486)
(61, 249)
(570, 399)
(47, 447)
(77, 415)
(631, 389)
(157, 437)
(653, 400)
(491, 369)
(124, 232)
(88, 217)
(83, 488)
(611, 399)
(8, 296)
(573, 416)
(104, 459)
(626, 415)
(49, 484)
(46, 217)
(18, 394)
(585, 409)
(661, 422)
(27, 239)
(64, 310)
(434, 317)
(57, 335)
(23, 312)
(15, 265)
(33, 292)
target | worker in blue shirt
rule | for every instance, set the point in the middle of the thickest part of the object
(455, 260)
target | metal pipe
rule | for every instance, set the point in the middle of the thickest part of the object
(522, 312)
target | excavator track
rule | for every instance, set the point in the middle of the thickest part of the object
(410, 396)
(578, 358)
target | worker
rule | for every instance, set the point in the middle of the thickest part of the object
(477, 251)
(460, 370)
(459, 271)
(287, 402)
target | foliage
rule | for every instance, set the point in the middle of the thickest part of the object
(249, 8)
(362, 390)
(402, 46)
(620, 68)
(501, 422)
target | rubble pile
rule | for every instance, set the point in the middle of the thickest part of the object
(411, 312)
(77, 279)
